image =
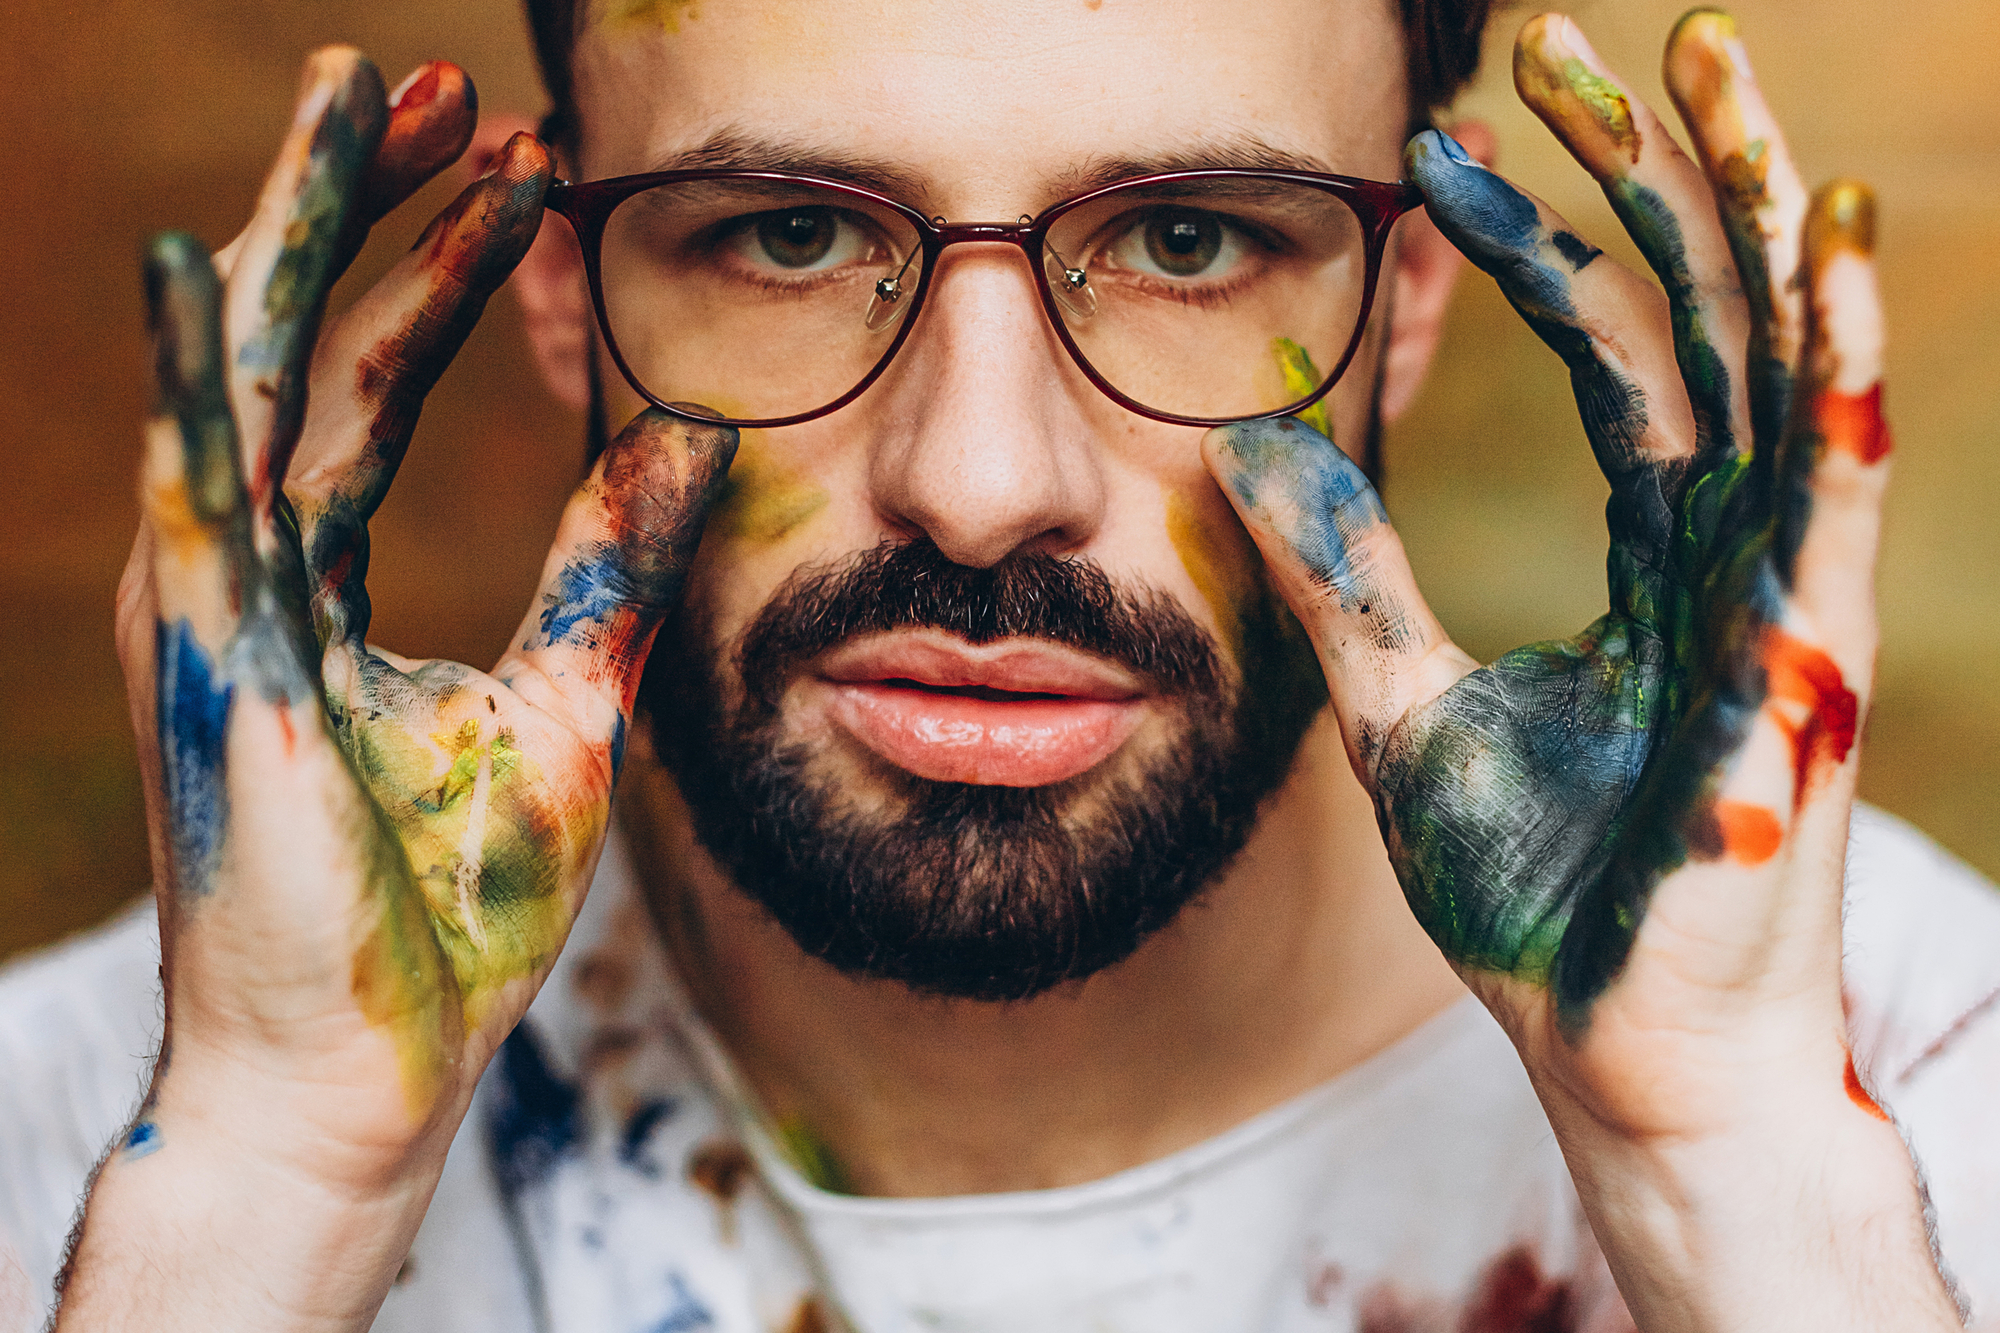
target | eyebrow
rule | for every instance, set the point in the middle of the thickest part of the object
(740, 150)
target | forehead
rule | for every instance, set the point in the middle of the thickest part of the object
(984, 107)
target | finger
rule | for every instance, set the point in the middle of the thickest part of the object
(1834, 467)
(1609, 325)
(1759, 197)
(375, 367)
(1666, 205)
(616, 568)
(196, 511)
(288, 262)
(1341, 567)
(432, 116)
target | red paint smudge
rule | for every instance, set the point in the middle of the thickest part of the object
(1859, 1095)
(1514, 1296)
(1750, 833)
(1853, 424)
(284, 713)
(422, 91)
(1823, 733)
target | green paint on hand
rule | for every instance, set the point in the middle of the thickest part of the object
(1605, 101)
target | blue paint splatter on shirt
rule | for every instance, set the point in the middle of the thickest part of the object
(687, 1313)
(535, 1116)
(639, 1131)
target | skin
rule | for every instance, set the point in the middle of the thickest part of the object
(367, 863)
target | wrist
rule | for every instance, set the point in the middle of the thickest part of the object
(1808, 1213)
(187, 1226)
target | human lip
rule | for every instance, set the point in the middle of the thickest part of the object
(1016, 713)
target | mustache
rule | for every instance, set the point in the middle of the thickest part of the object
(1068, 600)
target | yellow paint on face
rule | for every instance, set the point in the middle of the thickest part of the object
(762, 501)
(1222, 563)
(1295, 363)
(667, 14)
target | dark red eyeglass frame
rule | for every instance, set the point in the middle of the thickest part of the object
(1376, 204)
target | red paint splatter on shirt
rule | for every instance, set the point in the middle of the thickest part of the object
(1750, 833)
(1515, 1296)
(1823, 715)
(1853, 424)
(1859, 1095)
(1512, 1295)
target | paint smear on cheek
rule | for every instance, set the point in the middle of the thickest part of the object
(762, 502)
(667, 14)
(1222, 564)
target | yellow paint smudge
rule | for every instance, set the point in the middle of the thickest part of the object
(1606, 102)
(762, 501)
(666, 14)
(1222, 564)
(1295, 363)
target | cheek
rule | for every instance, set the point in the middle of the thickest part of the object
(1219, 559)
(1351, 405)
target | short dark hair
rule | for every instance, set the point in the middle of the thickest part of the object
(1441, 36)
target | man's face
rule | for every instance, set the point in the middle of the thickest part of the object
(978, 679)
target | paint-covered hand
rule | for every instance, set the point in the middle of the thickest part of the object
(366, 864)
(1630, 843)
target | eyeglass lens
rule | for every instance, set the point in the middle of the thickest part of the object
(759, 299)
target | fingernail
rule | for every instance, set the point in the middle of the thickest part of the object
(1452, 148)
(1842, 218)
(420, 89)
(1710, 26)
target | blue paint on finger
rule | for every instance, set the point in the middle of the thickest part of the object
(194, 707)
(1300, 483)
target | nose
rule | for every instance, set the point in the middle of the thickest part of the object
(988, 446)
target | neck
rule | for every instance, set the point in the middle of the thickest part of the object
(1299, 963)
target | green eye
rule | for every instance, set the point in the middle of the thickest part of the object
(1183, 244)
(797, 237)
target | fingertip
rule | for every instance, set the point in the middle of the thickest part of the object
(709, 446)
(183, 306)
(1561, 78)
(1841, 218)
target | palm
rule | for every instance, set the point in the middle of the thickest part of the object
(1624, 808)
(371, 860)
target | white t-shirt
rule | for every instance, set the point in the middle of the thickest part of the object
(612, 1179)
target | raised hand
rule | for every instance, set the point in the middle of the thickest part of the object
(1629, 842)
(367, 863)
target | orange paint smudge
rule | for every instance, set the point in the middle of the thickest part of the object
(1853, 424)
(1823, 715)
(284, 712)
(1750, 833)
(1859, 1095)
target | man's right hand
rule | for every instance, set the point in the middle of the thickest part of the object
(365, 865)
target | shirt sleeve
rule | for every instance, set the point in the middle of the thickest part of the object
(1923, 990)
(78, 1027)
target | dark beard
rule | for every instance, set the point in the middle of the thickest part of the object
(979, 892)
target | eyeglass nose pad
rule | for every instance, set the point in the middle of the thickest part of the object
(1071, 285)
(885, 302)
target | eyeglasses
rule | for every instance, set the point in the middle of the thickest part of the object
(764, 298)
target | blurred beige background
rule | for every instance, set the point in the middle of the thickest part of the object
(163, 112)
